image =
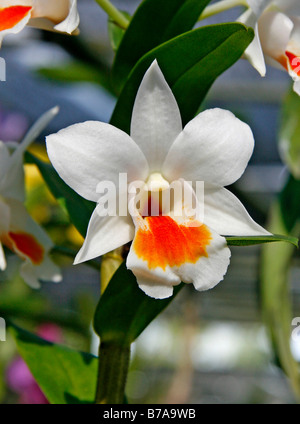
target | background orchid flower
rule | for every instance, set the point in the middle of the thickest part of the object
(277, 36)
(57, 15)
(18, 231)
(214, 147)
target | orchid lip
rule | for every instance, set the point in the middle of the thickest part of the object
(11, 16)
(293, 65)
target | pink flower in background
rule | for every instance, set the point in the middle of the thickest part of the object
(18, 376)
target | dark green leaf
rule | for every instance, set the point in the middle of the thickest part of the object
(290, 204)
(64, 375)
(154, 22)
(190, 63)
(124, 310)
(79, 209)
(250, 241)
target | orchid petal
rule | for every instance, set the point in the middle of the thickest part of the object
(254, 53)
(2, 259)
(21, 222)
(104, 234)
(71, 22)
(258, 6)
(88, 153)
(289, 6)
(47, 271)
(156, 120)
(208, 152)
(226, 215)
(209, 270)
(12, 178)
(4, 218)
(159, 268)
(296, 87)
(294, 42)
(14, 27)
(33, 133)
(156, 283)
(275, 30)
(59, 15)
(4, 160)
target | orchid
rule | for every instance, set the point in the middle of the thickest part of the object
(54, 15)
(167, 248)
(277, 36)
(18, 231)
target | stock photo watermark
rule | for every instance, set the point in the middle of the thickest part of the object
(155, 197)
(2, 69)
(2, 330)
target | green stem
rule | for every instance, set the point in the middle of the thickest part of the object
(221, 6)
(112, 373)
(114, 13)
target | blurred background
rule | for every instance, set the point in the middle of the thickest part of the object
(209, 347)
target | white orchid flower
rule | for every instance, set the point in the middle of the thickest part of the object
(54, 15)
(18, 231)
(277, 36)
(167, 248)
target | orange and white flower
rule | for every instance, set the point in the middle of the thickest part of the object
(167, 248)
(18, 231)
(277, 36)
(54, 15)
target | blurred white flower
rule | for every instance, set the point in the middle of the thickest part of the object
(18, 231)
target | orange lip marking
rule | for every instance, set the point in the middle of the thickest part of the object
(294, 62)
(11, 16)
(25, 244)
(164, 242)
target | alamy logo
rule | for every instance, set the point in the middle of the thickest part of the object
(2, 330)
(2, 69)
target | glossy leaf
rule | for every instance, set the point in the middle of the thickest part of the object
(124, 310)
(154, 22)
(79, 209)
(190, 63)
(250, 241)
(64, 375)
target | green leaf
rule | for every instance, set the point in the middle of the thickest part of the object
(154, 22)
(190, 63)
(124, 310)
(290, 204)
(79, 209)
(289, 134)
(250, 241)
(64, 375)
(116, 33)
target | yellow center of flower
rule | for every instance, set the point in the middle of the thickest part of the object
(11, 16)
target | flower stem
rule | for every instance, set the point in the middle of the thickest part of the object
(112, 373)
(221, 6)
(114, 13)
